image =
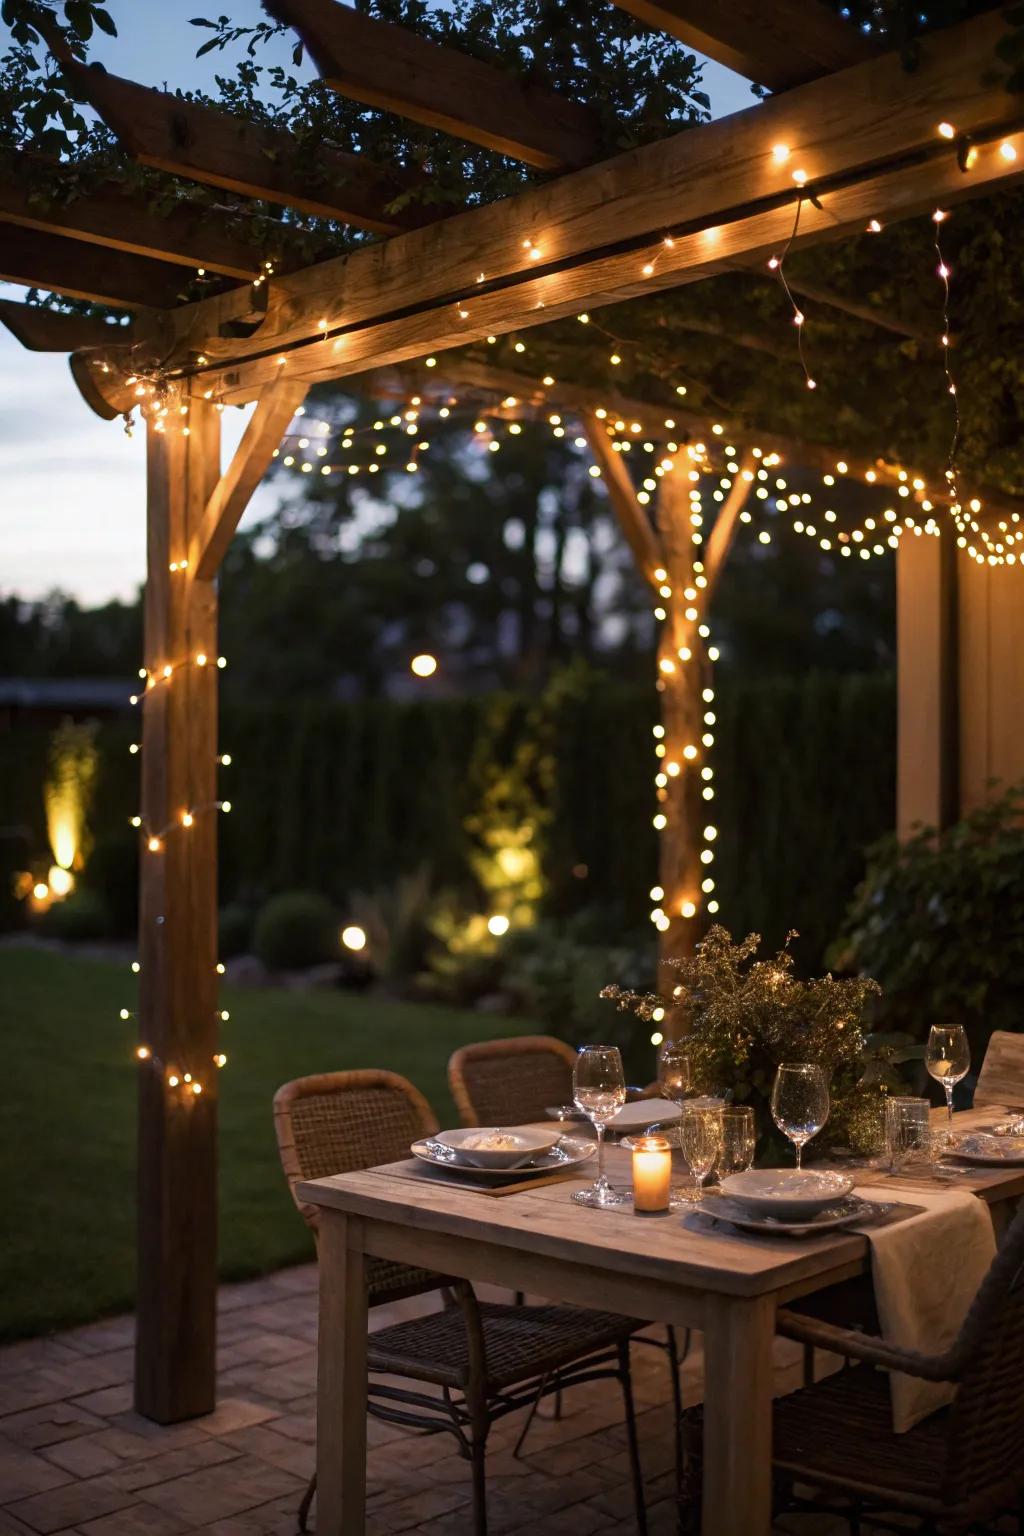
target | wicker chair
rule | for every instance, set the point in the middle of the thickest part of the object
(957, 1469)
(511, 1082)
(486, 1360)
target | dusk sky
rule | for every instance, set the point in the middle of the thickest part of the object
(72, 512)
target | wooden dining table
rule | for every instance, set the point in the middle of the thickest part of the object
(668, 1270)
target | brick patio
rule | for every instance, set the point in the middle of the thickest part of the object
(74, 1457)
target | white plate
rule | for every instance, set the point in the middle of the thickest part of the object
(989, 1151)
(642, 1113)
(567, 1154)
(843, 1213)
(520, 1144)
(790, 1194)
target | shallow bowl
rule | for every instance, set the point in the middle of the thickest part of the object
(789, 1194)
(520, 1145)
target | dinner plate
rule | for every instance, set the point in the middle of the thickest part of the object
(569, 1152)
(788, 1194)
(643, 1113)
(989, 1151)
(843, 1213)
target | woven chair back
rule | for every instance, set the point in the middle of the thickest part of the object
(511, 1082)
(337, 1122)
(986, 1427)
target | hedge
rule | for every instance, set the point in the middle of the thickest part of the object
(344, 797)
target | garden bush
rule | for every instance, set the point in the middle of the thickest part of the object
(82, 915)
(295, 930)
(939, 921)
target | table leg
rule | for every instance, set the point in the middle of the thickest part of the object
(737, 1493)
(341, 1379)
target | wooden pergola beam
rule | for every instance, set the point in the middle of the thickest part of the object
(48, 330)
(206, 145)
(80, 271)
(867, 139)
(777, 43)
(119, 220)
(233, 491)
(663, 422)
(387, 66)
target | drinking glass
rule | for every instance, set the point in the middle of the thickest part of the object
(599, 1092)
(906, 1130)
(674, 1071)
(738, 1139)
(800, 1102)
(948, 1058)
(700, 1136)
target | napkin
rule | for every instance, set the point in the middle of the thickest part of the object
(926, 1272)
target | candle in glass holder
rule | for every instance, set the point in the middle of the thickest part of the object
(652, 1175)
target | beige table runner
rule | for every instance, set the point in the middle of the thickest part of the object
(926, 1272)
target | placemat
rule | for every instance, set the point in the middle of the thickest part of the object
(413, 1168)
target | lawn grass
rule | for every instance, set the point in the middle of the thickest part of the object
(67, 1130)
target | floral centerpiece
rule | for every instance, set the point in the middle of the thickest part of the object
(743, 1014)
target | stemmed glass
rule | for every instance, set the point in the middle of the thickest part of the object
(948, 1058)
(700, 1136)
(674, 1071)
(800, 1102)
(599, 1092)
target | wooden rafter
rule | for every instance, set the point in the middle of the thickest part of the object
(80, 271)
(233, 491)
(866, 138)
(388, 66)
(47, 330)
(662, 423)
(110, 216)
(206, 145)
(777, 43)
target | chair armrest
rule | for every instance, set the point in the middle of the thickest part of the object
(862, 1346)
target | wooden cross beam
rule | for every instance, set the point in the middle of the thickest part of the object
(390, 67)
(777, 43)
(866, 139)
(206, 145)
(47, 330)
(36, 259)
(120, 220)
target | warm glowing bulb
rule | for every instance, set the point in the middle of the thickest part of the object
(186, 818)
(201, 659)
(353, 937)
(423, 665)
(153, 845)
(688, 909)
(780, 153)
(947, 131)
(142, 1052)
(498, 924)
(1007, 150)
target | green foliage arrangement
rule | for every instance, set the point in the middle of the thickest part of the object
(296, 929)
(743, 1015)
(939, 921)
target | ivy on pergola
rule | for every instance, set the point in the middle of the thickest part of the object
(463, 173)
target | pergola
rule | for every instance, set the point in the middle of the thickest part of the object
(867, 140)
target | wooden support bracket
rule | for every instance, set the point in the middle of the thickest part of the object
(231, 495)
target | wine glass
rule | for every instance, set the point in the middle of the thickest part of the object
(700, 1136)
(948, 1058)
(599, 1092)
(800, 1102)
(674, 1071)
(738, 1139)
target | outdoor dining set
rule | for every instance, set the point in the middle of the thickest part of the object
(898, 1275)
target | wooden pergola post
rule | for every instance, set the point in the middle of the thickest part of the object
(927, 671)
(177, 1137)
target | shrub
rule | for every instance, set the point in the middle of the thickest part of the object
(234, 930)
(112, 874)
(939, 921)
(82, 915)
(296, 929)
